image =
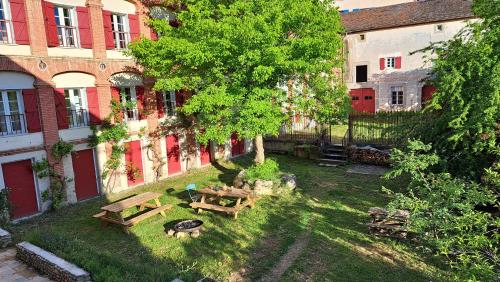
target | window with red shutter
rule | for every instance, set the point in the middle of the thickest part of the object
(179, 98)
(84, 27)
(61, 111)
(382, 63)
(18, 15)
(160, 106)
(398, 63)
(108, 30)
(133, 21)
(31, 110)
(50, 24)
(139, 94)
(93, 106)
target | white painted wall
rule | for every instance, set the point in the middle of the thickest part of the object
(15, 80)
(73, 80)
(363, 4)
(391, 43)
(71, 3)
(13, 49)
(69, 52)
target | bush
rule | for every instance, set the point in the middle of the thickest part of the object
(445, 215)
(269, 170)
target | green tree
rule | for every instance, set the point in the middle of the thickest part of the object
(237, 57)
(466, 72)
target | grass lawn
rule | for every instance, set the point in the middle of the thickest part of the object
(328, 211)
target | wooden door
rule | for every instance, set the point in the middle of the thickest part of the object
(205, 154)
(85, 175)
(173, 154)
(19, 178)
(427, 92)
(237, 146)
(133, 163)
(363, 100)
(356, 99)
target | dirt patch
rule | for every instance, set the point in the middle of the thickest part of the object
(288, 259)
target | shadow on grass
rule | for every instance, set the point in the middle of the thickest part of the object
(329, 202)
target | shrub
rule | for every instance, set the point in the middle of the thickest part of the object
(445, 215)
(269, 170)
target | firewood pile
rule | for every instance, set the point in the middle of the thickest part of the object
(388, 224)
(369, 155)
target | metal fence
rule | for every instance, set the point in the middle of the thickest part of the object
(385, 128)
(309, 131)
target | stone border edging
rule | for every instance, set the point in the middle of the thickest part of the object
(48, 263)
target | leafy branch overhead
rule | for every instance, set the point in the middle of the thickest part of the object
(237, 58)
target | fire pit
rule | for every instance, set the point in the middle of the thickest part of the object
(187, 227)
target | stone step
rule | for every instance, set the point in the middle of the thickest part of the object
(334, 156)
(332, 161)
(328, 165)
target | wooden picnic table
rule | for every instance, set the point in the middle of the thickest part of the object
(210, 200)
(113, 213)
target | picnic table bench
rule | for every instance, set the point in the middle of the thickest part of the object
(210, 200)
(113, 213)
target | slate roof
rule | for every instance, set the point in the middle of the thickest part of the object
(407, 14)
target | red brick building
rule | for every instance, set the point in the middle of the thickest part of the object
(61, 63)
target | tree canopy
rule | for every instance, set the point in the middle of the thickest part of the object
(467, 75)
(237, 58)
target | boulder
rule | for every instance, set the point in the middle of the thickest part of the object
(289, 181)
(263, 187)
(239, 180)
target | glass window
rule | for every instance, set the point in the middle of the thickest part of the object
(390, 62)
(169, 103)
(129, 97)
(12, 119)
(76, 106)
(121, 35)
(397, 95)
(66, 27)
(5, 25)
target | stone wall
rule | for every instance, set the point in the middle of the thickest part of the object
(48, 263)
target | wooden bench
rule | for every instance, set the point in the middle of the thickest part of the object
(244, 198)
(113, 213)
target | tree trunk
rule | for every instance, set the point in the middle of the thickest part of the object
(259, 149)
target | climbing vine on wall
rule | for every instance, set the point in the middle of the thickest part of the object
(58, 183)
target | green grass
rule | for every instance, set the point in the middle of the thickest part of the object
(330, 204)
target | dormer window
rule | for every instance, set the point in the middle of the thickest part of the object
(66, 26)
(120, 28)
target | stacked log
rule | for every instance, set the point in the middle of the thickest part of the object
(369, 155)
(388, 224)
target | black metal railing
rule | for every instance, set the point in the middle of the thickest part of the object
(130, 114)
(66, 36)
(385, 128)
(12, 124)
(78, 118)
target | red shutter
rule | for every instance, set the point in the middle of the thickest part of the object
(179, 98)
(382, 63)
(160, 107)
(31, 110)
(133, 21)
(93, 104)
(154, 34)
(84, 27)
(50, 24)
(139, 94)
(61, 112)
(115, 94)
(108, 30)
(398, 62)
(18, 12)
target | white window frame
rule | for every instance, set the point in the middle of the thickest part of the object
(8, 22)
(116, 32)
(74, 21)
(397, 89)
(75, 108)
(390, 62)
(129, 114)
(7, 111)
(172, 102)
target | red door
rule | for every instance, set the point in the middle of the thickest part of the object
(133, 162)
(18, 177)
(237, 146)
(363, 100)
(427, 92)
(205, 154)
(173, 154)
(85, 176)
